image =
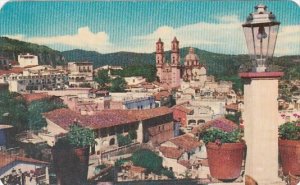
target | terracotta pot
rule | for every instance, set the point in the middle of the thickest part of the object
(293, 180)
(225, 161)
(70, 165)
(289, 152)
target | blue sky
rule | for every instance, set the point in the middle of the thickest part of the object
(108, 27)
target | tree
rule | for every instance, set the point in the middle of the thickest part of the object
(102, 78)
(147, 159)
(237, 82)
(13, 111)
(80, 137)
(35, 110)
(118, 85)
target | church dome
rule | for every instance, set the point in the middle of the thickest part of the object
(191, 56)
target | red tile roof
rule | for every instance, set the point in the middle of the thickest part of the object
(6, 159)
(150, 113)
(35, 96)
(106, 118)
(14, 70)
(161, 94)
(183, 109)
(185, 163)
(220, 123)
(148, 86)
(171, 152)
(186, 142)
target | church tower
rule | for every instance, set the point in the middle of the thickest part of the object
(175, 63)
(159, 58)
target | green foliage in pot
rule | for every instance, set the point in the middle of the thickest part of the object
(290, 131)
(218, 136)
(80, 137)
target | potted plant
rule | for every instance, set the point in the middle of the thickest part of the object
(71, 156)
(289, 148)
(225, 153)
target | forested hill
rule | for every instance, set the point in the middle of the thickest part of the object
(10, 48)
(217, 64)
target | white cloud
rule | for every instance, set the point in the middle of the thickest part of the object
(288, 42)
(2, 3)
(226, 36)
(83, 39)
(228, 19)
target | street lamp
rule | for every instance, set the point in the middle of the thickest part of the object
(261, 30)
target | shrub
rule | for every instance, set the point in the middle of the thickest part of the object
(120, 162)
(290, 131)
(36, 108)
(147, 159)
(101, 166)
(168, 173)
(123, 140)
(132, 134)
(219, 136)
(80, 137)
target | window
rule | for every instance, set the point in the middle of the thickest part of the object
(112, 141)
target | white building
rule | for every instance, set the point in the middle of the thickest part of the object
(34, 78)
(80, 73)
(108, 67)
(11, 165)
(28, 60)
(180, 153)
(134, 80)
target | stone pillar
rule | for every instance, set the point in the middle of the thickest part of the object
(47, 181)
(261, 126)
(139, 132)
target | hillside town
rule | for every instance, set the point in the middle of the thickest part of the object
(133, 129)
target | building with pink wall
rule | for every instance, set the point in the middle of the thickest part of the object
(171, 72)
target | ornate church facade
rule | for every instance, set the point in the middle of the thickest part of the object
(173, 72)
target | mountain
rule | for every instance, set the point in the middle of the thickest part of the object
(10, 48)
(216, 63)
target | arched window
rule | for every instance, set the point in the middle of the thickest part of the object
(112, 141)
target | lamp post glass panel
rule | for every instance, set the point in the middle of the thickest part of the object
(261, 30)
